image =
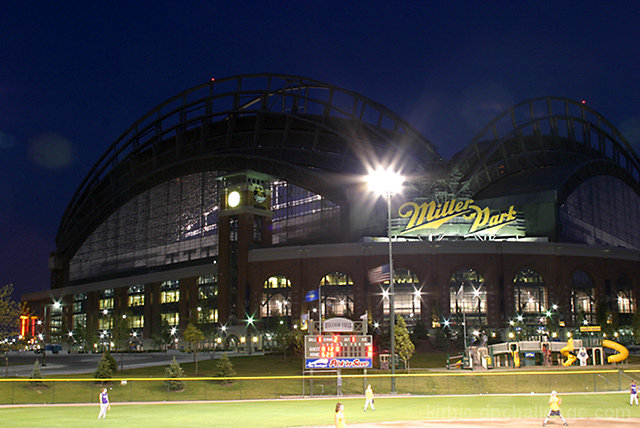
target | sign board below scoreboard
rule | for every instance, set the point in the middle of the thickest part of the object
(338, 351)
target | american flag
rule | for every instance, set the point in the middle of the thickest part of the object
(379, 274)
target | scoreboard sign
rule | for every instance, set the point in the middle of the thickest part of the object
(335, 351)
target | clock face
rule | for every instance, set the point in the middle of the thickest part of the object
(233, 199)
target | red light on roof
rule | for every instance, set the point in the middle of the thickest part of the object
(213, 79)
(584, 101)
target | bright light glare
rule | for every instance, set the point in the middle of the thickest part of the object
(385, 181)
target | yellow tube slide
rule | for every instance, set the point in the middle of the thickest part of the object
(622, 354)
(570, 357)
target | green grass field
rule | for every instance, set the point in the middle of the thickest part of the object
(287, 413)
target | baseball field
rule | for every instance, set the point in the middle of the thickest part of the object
(584, 410)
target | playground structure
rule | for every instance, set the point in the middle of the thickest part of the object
(587, 347)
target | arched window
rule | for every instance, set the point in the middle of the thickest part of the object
(468, 295)
(407, 300)
(529, 292)
(275, 297)
(583, 303)
(624, 297)
(337, 295)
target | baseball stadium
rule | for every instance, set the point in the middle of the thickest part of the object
(257, 202)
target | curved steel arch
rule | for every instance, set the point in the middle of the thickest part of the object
(296, 128)
(509, 142)
(591, 169)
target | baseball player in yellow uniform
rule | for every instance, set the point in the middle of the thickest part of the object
(554, 408)
(368, 395)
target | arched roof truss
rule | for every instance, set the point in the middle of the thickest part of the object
(301, 130)
(542, 132)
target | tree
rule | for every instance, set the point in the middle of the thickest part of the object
(635, 326)
(121, 336)
(163, 338)
(104, 369)
(606, 319)
(194, 336)
(404, 346)
(85, 337)
(282, 337)
(175, 372)
(113, 365)
(419, 331)
(9, 319)
(36, 375)
(224, 368)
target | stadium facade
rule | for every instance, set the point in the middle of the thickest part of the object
(230, 201)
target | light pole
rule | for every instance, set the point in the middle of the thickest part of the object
(56, 305)
(385, 182)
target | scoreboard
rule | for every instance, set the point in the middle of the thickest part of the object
(338, 351)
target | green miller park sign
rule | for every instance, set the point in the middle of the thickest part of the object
(458, 217)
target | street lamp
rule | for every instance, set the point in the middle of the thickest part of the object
(43, 335)
(385, 182)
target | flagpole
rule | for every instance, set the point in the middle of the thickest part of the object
(392, 315)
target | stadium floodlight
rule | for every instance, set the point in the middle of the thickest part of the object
(386, 182)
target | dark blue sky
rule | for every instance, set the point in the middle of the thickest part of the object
(75, 75)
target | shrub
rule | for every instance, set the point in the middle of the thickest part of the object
(104, 369)
(36, 375)
(224, 368)
(174, 371)
(112, 361)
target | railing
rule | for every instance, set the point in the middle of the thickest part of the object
(54, 391)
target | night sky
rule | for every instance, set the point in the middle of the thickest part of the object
(75, 75)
